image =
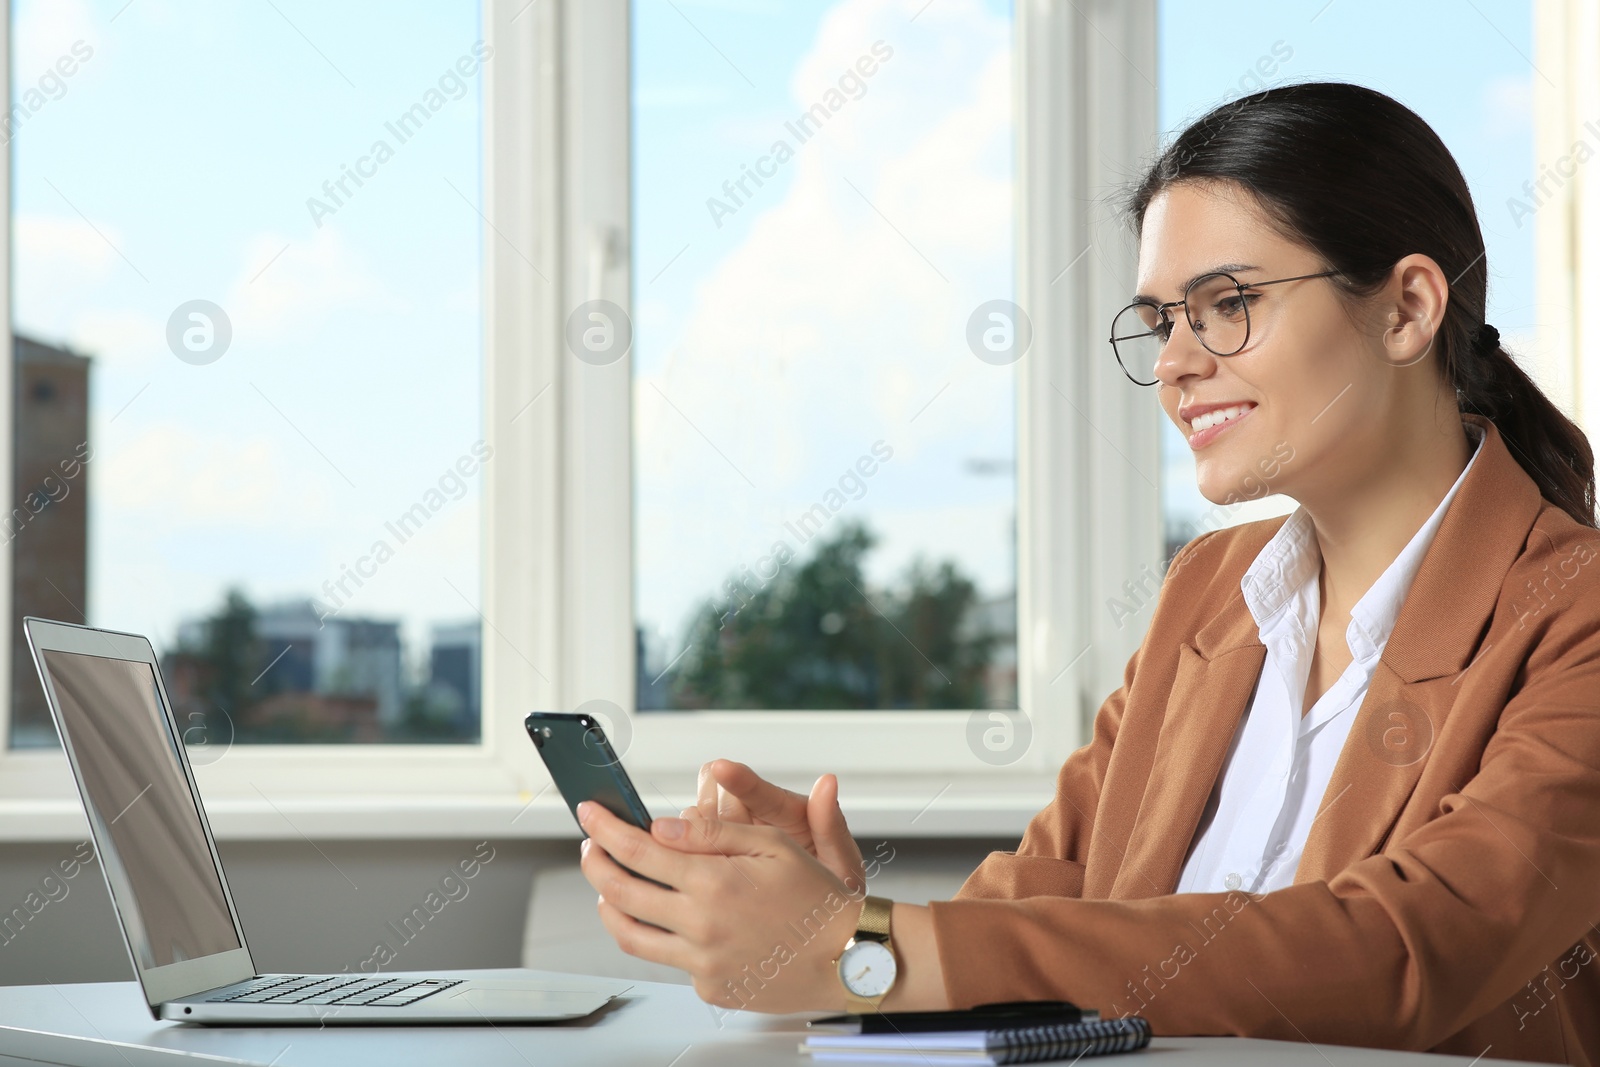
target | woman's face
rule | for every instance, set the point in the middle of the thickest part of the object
(1309, 387)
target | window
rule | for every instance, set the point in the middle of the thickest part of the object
(951, 262)
(1483, 110)
(400, 366)
(249, 358)
(825, 340)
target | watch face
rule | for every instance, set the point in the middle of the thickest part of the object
(867, 968)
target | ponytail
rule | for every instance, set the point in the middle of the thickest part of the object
(1548, 445)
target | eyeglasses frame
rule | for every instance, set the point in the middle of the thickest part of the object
(1161, 310)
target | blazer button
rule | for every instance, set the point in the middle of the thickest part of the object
(1233, 881)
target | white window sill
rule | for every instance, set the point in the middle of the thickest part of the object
(923, 807)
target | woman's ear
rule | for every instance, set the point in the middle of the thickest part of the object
(1416, 298)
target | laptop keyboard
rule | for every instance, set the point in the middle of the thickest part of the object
(341, 989)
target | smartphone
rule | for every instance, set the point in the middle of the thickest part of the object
(583, 765)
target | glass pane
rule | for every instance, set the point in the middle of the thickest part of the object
(824, 360)
(1483, 110)
(249, 357)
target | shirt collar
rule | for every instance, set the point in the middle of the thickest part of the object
(1291, 559)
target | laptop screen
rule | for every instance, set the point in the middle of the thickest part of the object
(134, 782)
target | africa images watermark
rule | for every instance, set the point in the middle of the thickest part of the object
(450, 486)
(51, 85)
(754, 978)
(402, 128)
(452, 888)
(736, 192)
(807, 526)
(1552, 581)
(53, 488)
(1532, 1000)
(1251, 84)
(1142, 590)
(1234, 901)
(52, 888)
(1552, 178)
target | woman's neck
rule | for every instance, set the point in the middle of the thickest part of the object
(1360, 531)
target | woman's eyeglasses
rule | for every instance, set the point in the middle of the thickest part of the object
(1217, 307)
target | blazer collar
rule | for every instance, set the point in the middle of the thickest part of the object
(1435, 636)
(1436, 632)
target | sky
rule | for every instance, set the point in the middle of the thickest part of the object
(777, 339)
(176, 164)
(782, 334)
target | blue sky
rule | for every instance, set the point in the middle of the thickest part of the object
(828, 311)
(177, 165)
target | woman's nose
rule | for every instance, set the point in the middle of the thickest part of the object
(1183, 354)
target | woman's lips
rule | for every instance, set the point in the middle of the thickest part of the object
(1201, 439)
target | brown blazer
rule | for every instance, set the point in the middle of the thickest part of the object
(1448, 892)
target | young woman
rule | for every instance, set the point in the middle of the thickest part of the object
(1349, 790)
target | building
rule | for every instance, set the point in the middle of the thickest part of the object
(291, 675)
(343, 657)
(455, 668)
(47, 524)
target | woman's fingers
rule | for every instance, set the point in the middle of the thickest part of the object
(758, 797)
(742, 884)
(630, 846)
(835, 846)
(716, 837)
(713, 801)
(642, 940)
(633, 896)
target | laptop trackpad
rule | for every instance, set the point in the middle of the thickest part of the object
(512, 999)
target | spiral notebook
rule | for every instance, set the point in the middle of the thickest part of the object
(1007, 1045)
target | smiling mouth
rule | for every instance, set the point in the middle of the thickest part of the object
(1218, 417)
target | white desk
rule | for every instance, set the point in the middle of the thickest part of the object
(653, 1025)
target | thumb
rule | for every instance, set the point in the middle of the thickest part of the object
(836, 849)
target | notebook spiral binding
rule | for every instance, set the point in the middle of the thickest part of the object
(1069, 1039)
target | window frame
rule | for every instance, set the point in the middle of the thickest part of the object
(1565, 228)
(557, 539)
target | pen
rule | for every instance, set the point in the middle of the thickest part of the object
(1012, 1014)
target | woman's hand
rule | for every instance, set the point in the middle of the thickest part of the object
(754, 919)
(732, 792)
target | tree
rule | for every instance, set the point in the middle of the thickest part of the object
(815, 636)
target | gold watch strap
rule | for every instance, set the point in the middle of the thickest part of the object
(874, 921)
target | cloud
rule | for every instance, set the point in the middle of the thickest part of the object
(196, 479)
(44, 30)
(842, 310)
(285, 286)
(1508, 106)
(118, 335)
(55, 256)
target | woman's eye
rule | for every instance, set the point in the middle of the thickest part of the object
(1235, 305)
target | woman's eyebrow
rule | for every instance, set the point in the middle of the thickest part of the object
(1229, 268)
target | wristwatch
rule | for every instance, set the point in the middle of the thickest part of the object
(867, 965)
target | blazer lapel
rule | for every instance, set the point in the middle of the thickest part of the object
(1215, 679)
(1435, 637)
(1377, 771)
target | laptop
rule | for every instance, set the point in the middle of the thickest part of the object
(166, 880)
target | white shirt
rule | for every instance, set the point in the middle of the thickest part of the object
(1256, 821)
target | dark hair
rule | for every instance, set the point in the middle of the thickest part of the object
(1363, 181)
